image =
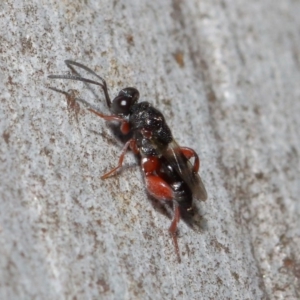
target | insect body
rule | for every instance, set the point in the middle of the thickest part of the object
(168, 173)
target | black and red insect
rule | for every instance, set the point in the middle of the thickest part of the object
(169, 175)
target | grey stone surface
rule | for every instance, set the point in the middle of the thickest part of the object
(225, 74)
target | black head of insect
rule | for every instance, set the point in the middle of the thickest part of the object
(122, 104)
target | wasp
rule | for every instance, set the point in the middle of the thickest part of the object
(169, 174)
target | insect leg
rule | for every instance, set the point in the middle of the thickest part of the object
(131, 144)
(156, 186)
(189, 153)
(125, 128)
(106, 117)
(173, 230)
(161, 190)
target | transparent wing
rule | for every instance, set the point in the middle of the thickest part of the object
(184, 168)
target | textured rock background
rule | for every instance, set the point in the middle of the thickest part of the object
(226, 75)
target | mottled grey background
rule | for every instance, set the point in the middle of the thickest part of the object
(226, 75)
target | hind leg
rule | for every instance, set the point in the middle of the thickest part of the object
(173, 230)
(161, 190)
(189, 153)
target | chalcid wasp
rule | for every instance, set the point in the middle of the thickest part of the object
(169, 175)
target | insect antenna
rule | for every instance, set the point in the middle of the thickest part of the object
(75, 77)
(78, 77)
(71, 63)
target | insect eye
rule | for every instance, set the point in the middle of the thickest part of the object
(124, 101)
